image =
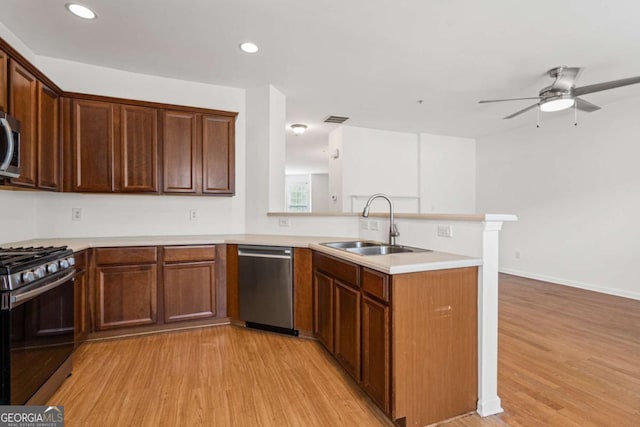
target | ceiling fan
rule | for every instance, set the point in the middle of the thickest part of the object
(563, 93)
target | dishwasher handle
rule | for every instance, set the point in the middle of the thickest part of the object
(264, 252)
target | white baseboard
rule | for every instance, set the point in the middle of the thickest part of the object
(488, 407)
(573, 284)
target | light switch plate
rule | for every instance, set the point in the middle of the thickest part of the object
(445, 231)
(76, 214)
(284, 222)
(364, 224)
(374, 225)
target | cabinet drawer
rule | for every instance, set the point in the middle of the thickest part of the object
(80, 260)
(375, 284)
(133, 255)
(342, 270)
(189, 253)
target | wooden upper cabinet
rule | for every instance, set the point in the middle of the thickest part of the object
(48, 138)
(4, 64)
(198, 152)
(93, 146)
(138, 149)
(23, 103)
(180, 152)
(218, 161)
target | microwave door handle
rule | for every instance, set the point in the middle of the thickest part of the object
(11, 146)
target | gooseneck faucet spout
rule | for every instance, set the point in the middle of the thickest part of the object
(393, 230)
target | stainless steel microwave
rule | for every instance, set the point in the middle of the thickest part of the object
(9, 146)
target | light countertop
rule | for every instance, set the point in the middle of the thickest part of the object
(390, 264)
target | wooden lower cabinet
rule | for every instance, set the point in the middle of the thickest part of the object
(323, 309)
(409, 340)
(347, 328)
(126, 296)
(376, 356)
(189, 288)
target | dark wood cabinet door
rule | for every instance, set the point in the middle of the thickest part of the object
(376, 362)
(138, 149)
(93, 146)
(218, 163)
(347, 328)
(323, 309)
(189, 291)
(23, 105)
(180, 152)
(125, 296)
(4, 81)
(81, 308)
(48, 138)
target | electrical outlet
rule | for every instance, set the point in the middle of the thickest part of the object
(445, 231)
(76, 214)
(194, 215)
(284, 222)
(364, 224)
(374, 225)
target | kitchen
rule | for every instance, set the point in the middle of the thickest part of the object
(514, 173)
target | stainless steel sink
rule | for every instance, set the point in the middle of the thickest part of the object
(385, 250)
(351, 244)
(362, 247)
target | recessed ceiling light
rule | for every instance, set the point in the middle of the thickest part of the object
(298, 128)
(81, 11)
(249, 47)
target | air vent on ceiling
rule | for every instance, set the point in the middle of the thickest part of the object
(335, 119)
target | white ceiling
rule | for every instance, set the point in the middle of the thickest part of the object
(370, 60)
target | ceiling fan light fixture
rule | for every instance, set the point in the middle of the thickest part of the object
(298, 128)
(557, 104)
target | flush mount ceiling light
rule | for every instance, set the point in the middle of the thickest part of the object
(248, 47)
(80, 11)
(557, 104)
(298, 128)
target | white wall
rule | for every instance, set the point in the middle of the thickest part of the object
(265, 156)
(335, 170)
(576, 191)
(17, 216)
(447, 174)
(421, 172)
(108, 215)
(320, 192)
(379, 161)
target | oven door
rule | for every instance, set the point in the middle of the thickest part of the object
(37, 335)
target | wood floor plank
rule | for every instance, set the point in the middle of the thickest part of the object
(567, 358)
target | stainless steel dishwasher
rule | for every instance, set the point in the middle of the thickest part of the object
(265, 285)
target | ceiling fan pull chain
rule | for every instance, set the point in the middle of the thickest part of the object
(575, 114)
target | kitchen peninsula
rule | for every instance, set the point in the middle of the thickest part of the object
(391, 266)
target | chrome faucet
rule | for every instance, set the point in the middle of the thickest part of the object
(393, 230)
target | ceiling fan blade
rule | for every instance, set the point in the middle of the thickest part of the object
(605, 86)
(508, 99)
(566, 78)
(586, 105)
(517, 113)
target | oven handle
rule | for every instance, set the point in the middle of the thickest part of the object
(21, 298)
(11, 145)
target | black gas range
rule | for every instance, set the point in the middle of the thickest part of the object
(36, 322)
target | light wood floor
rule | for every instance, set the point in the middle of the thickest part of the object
(567, 357)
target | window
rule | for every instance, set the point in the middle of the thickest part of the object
(298, 194)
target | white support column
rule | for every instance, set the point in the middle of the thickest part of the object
(488, 400)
